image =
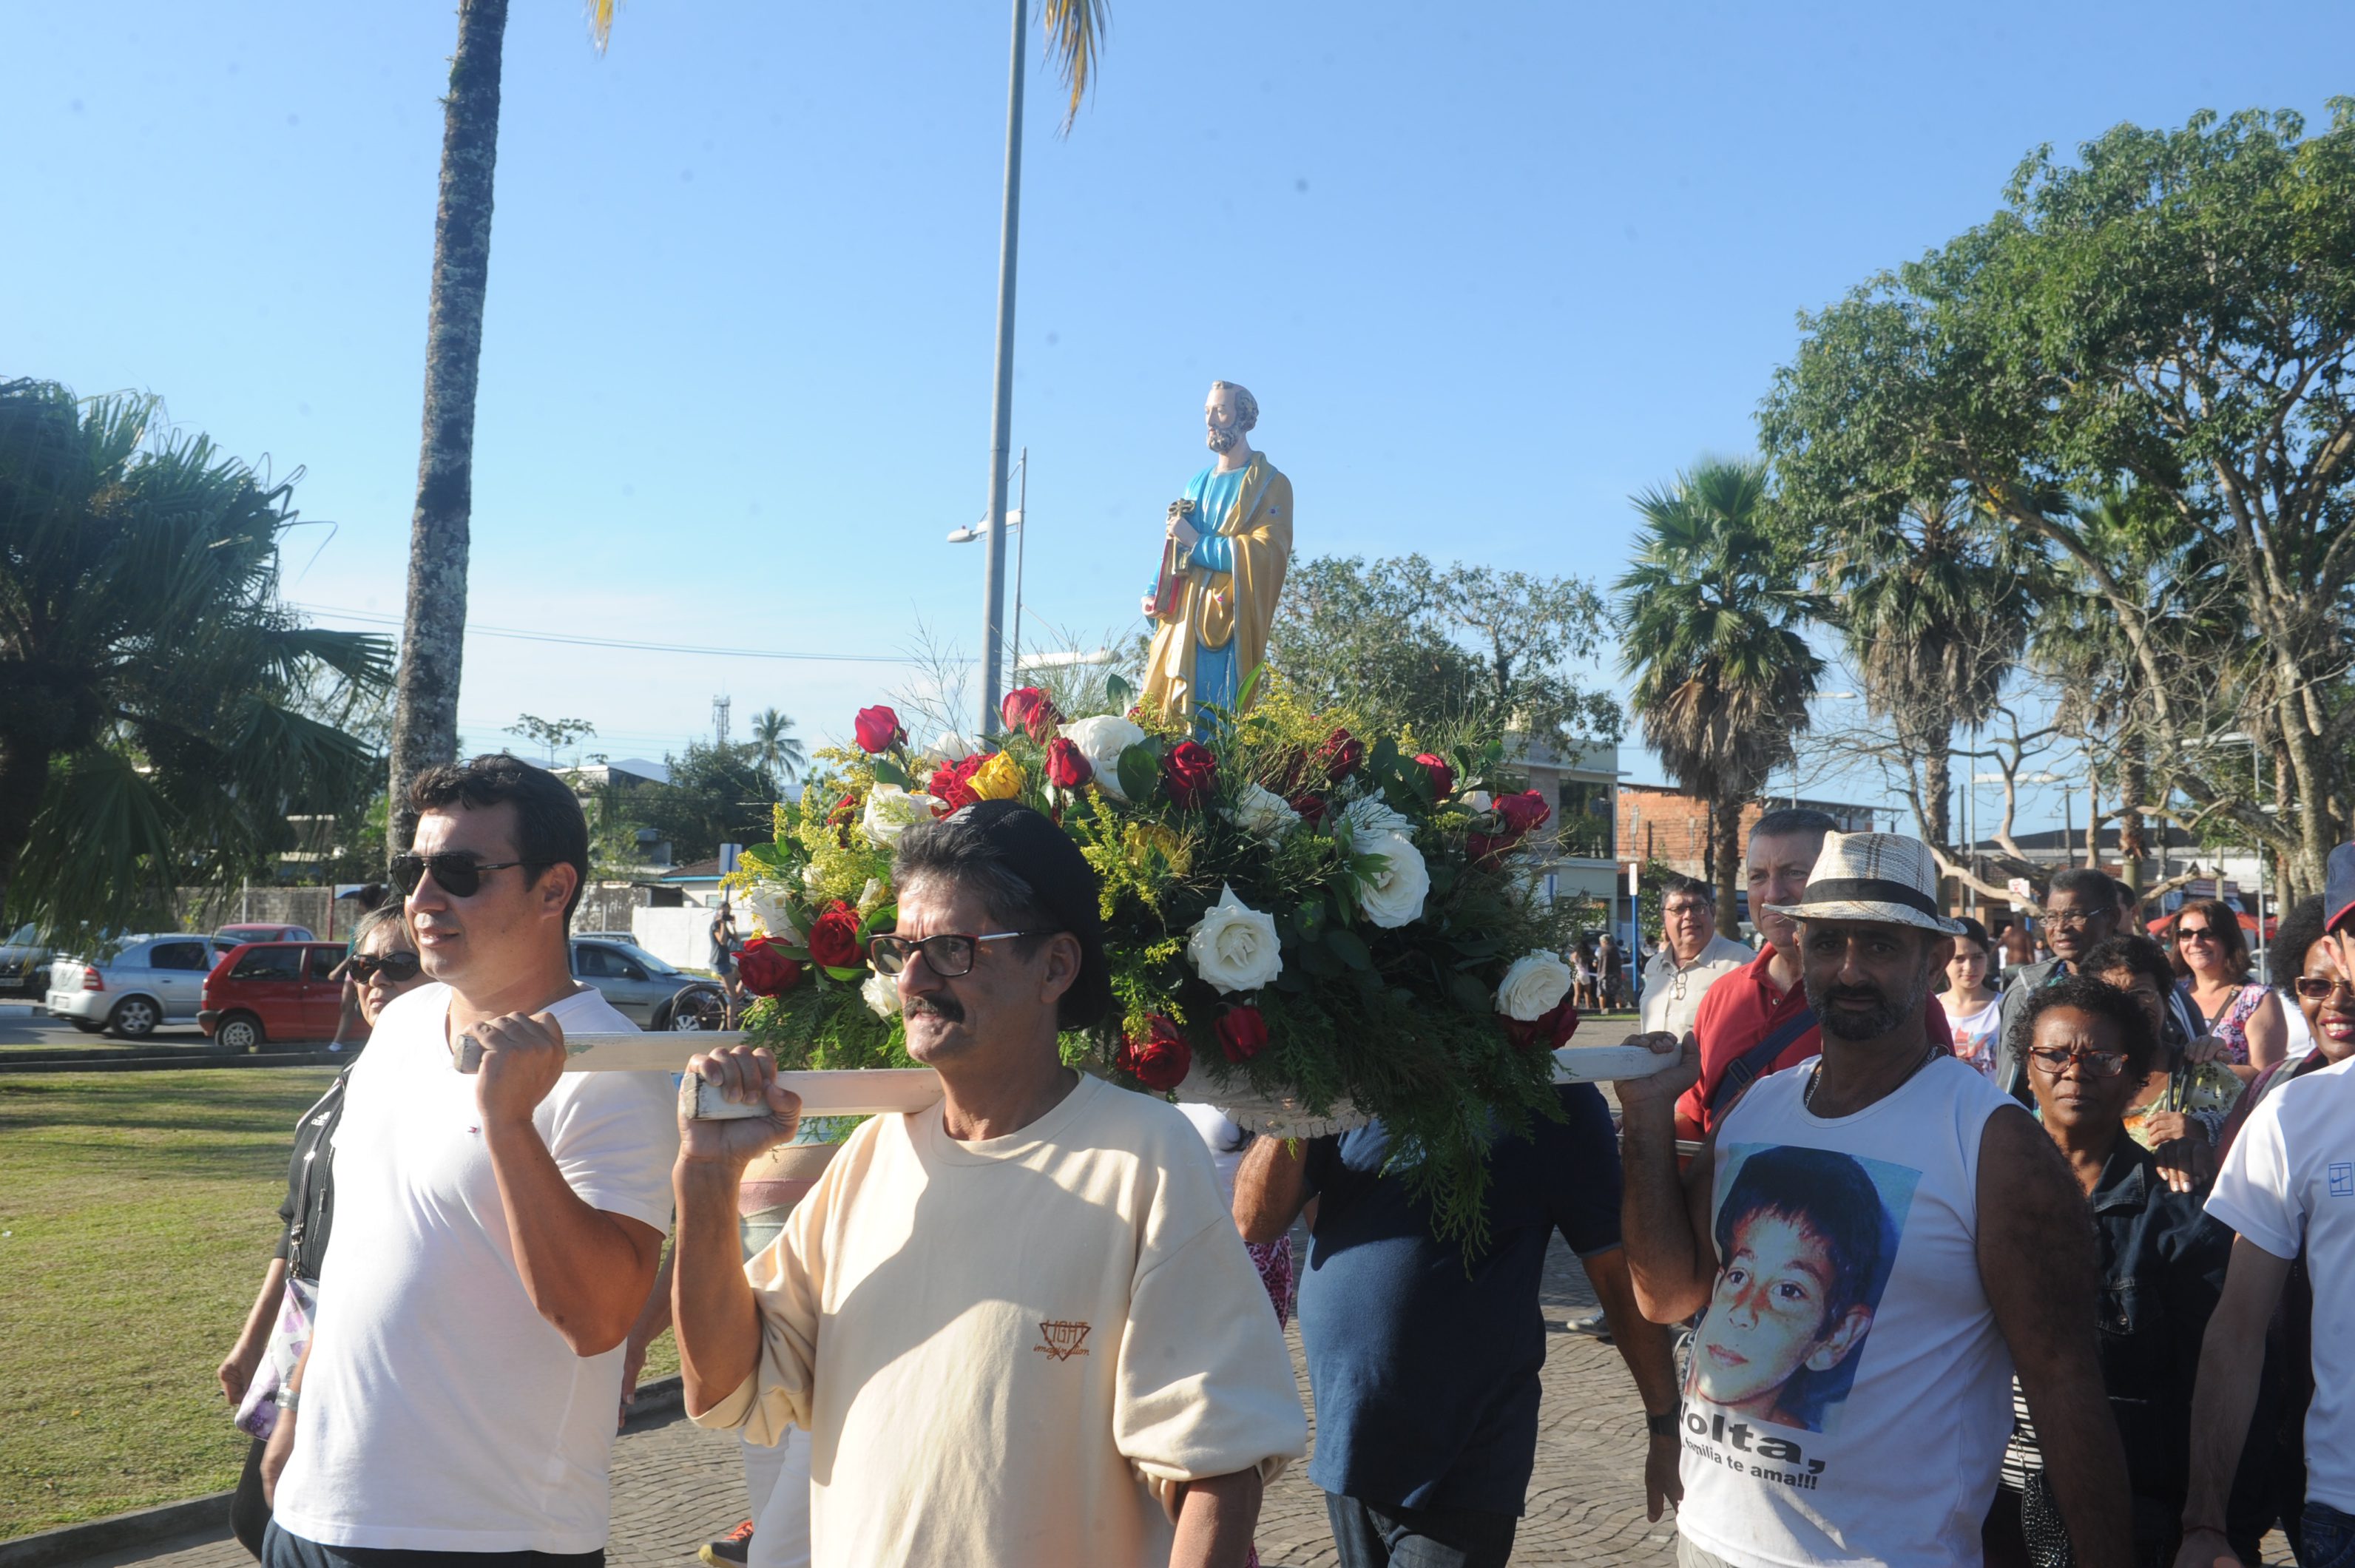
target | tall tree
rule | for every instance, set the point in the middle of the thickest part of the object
(2176, 310)
(775, 749)
(1709, 619)
(158, 704)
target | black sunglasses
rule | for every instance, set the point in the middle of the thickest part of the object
(458, 874)
(394, 966)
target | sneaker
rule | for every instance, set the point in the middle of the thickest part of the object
(731, 1550)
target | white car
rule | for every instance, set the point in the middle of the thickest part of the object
(136, 984)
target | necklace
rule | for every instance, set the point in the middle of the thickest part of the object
(1807, 1094)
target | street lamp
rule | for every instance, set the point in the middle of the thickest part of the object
(1001, 403)
(997, 555)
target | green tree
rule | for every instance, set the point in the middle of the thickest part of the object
(153, 689)
(1709, 619)
(550, 735)
(1406, 645)
(425, 715)
(717, 795)
(775, 749)
(2175, 312)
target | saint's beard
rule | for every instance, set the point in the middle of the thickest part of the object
(1223, 441)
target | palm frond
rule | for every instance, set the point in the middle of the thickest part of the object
(600, 22)
(1075, 32)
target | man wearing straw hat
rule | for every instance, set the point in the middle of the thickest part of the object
(1878, 1238)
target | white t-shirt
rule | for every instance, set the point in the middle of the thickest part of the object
(2288, 1183)
(1225, 1141)
(1009, 1352)
(439, 1411)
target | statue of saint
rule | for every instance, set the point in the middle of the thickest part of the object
(1223, 555)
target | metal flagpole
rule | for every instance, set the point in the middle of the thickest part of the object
(1001, 408)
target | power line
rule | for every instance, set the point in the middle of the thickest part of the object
(570, 639)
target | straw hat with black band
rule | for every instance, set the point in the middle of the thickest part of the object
(1883, 878)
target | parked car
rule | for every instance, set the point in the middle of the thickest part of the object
(639, 984)
(134, 985)
(24, 963)
(252, 931)
(262, 991)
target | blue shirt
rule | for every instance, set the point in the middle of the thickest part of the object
(1426, 1371)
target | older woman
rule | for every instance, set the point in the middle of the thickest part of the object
(2180, 1109)
(2088, 1048)
(383, 963)
(2212, 957)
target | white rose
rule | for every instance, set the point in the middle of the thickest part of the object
(1262, 812)
(1102, 737)
(1234, 948)
(1392, 895)
(772, 911)
(951, 748)
(891, 811)
(1478, 800)
(1371, 818)
(882, 994)
(1533, 987)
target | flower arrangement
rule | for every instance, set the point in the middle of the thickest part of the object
(1290, 907)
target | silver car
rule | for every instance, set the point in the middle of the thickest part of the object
(136, 984)
(639, 985)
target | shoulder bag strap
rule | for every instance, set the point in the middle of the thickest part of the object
(1752, 1064)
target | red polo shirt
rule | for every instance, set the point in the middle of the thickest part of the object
(1742, 1008)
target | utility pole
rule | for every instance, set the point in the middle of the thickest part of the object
(1001, 409)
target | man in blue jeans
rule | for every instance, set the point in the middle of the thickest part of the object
(1424, 1362)
(2288, 1189)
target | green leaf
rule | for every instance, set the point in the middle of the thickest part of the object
(1139, 770)
(1479, 946)
(1119, 693)
(764, 857)
(1318, 960)
(1470, 993)
(846, 975)
(1350, 948)
(1312, 919)
(1385, 758)
(891, 772)
(885, 917)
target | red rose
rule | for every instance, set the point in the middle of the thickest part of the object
(1030, 710)
(1242, 1032)
(1067, 766)
(952, 783)
(878, 729)
(1159, 1061)
(1341, 755)
(1442, 776)
(1488, 848)
(1191, 770)
(1548, 1031)
(765, 971)
(834, 938)
(1310, 807)
(1523, 813)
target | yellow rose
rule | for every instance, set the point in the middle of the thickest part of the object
(1000, 778)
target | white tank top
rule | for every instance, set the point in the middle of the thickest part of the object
(1849, 1396)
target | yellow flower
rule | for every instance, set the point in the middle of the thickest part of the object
(1000, 778)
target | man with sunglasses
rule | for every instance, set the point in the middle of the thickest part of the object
(2287, 1189)
(2081, 912)
(496, 1233)
(1021, 1326)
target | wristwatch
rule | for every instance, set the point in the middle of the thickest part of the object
(1661, 1426)
(286, 1398)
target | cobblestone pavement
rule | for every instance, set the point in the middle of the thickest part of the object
(676, 1485)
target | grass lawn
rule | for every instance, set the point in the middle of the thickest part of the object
(140, 1210)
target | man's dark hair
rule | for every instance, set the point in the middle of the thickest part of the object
(2299, 930)
(2097, 886)
(978, 849)
(549, 828)
(1789, 819)
(1682, 886)
(1830, 1193)
(2087, 994)
(2136, 955)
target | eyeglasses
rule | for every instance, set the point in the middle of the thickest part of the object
(458, 874)
(2194, 933)
(2316, 990)
(394, 966)
(2097, 1063)
(2075, 918)
(948, 954)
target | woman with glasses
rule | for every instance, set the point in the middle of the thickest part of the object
(2212, 958)
(383, 963)
(2088, 1047)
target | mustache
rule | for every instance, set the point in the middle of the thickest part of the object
(946, 1008)
(1864, 994)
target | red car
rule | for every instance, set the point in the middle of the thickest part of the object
(273, 991)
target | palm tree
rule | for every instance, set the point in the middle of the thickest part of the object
(1934, 605)
(156, 699)
(775, 751)
(1709, 619)
(426, 709)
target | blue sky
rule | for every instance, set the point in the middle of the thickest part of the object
(1488, 269)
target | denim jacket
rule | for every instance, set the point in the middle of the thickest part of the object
(2162, 1261)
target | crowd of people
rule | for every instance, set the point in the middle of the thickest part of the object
(1905, 1265)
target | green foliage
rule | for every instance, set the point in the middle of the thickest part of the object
(1413, 648)
(552, 735)
(776, 750)
(717, 795)
(158, 705)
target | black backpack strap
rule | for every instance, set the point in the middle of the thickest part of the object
(1752, 1064)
